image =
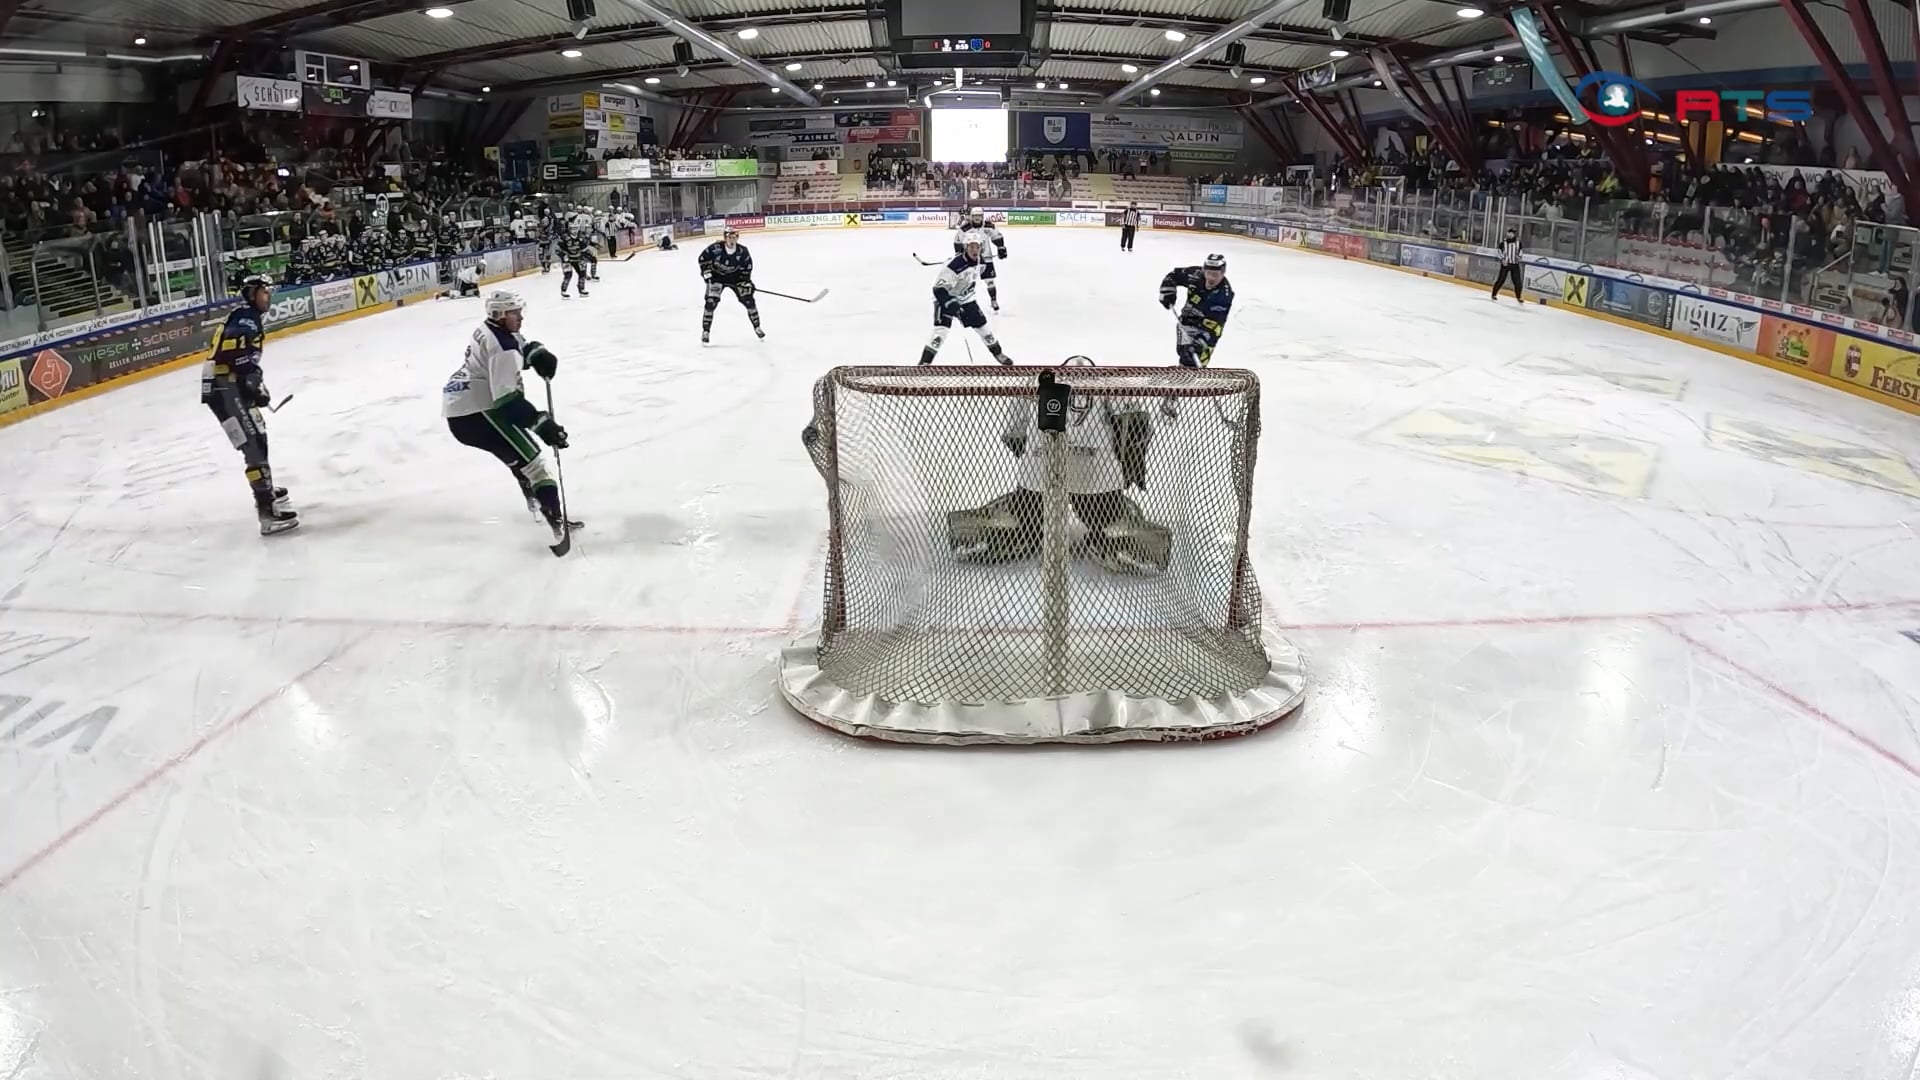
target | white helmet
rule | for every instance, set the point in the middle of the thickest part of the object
(502, 301)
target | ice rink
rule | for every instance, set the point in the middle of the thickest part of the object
(1607, 769)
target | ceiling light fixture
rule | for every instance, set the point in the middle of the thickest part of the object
(869, 84)
(890, 82)
(140, 41)
(1706, 20)
(571, 54)
(486, 89)
(1376, 82)
(653, 80)
(1063, 86)
(1258, 80)
(1499, 59)
(1155, 91)
(795, 66)
(1470, 12)
(748, 33)
(1175, 35)
(1339, 54)
(1129, 68)
(819, 86)
(438, 13)
(776, 89)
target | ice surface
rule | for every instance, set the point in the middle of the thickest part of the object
(1606, 770)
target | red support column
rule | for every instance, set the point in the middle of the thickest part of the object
(1318, 110)
(1883, 154)
(710, 117)
(1445, 122)
(1260, 129)
(1356, 122)
(222, 56)
(1628, 157)
(1875, 48)
(687, 116)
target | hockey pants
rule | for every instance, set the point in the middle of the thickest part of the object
(247, 431)
(516, 450)
(742, 291)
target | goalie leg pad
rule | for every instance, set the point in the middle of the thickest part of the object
(1006, 529)
(1119, 536)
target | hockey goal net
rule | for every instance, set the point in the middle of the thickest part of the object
(991, 576)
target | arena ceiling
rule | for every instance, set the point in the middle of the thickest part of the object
(524, 45)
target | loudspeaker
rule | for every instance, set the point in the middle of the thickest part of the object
(1236, 54)
(682, 53)
(1335, 10)
(579, 10)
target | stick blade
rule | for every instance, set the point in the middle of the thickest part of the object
(822, 296)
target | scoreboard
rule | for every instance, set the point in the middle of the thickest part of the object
(946, 34)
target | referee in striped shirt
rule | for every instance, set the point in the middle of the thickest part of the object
(1509, 266)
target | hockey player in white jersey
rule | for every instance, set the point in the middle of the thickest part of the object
(486, 407)
(465, 283)
(1106, 445)
(993, 246)
(953, 299)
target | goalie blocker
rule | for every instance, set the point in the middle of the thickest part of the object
(1104, 594)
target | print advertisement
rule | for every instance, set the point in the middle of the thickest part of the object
(525, 257)
(1708, 321)
(52, 374)
(1877, 366)
(1796, 343)
(878, 118)
(13, 386)
(291, 306)
(147, 345)
(773, 124)
(1213, 194)
(1481, 269)
(411, 280)
(629, 169)
(1080, 218)
(1055, 131)
(1383, 251)
(332, 298)
(1029, 217)
(1427, 260)
(267, 95)
(736, 167)
(809, 168)
(883, 135)
(1628, 301)
(1353, 247)
(1163, 131)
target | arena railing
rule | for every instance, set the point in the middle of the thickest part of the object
(1863, 272)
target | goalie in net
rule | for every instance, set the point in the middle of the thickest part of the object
(1107, 443)
(1038, 555)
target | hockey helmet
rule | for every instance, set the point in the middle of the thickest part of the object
(1077, 361)
(503, 302)
(730, 233)
(1215, 262)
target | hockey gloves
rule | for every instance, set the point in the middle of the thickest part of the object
(1001, 250)
(550, 432)
(253, 388)
(541, 360)
(1167, 298)
(951, 308)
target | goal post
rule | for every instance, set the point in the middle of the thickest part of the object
(1002, 569)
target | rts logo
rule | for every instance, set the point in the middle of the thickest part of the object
(1619, 99)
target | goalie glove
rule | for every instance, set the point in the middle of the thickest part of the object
(1015, 442)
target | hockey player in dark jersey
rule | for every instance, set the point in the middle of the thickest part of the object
(573, 262)
(546, 240)
(232, 387)
(1204, 316)
(726, 264)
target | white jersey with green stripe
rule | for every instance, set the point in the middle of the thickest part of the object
(488, 376)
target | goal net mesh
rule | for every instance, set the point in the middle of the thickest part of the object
(944, 582)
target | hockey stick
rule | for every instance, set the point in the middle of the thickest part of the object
(282, 405)
(925, 262)
(822, 295)
(560, 482)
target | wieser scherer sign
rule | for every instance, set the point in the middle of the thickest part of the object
(1617, 100)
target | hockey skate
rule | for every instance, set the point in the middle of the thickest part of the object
(281, 502)
(759, 333)
(275, 520)
(706, 337)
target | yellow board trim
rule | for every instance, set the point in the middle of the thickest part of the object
(200, 357)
